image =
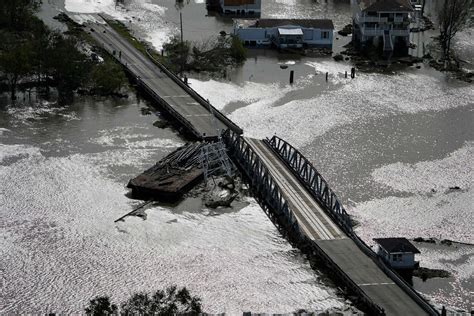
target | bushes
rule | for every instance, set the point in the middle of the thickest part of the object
(107, 78)
(169, 302)
(212, 55)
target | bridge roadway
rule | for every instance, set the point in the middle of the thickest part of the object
(343, 252)
(200, 118)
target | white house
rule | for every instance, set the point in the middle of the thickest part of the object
(399, 253)
(382, 22)
(285, 33)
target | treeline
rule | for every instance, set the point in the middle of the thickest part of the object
(32, 53)
(212, 55)
(162, 302)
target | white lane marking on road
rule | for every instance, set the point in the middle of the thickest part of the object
(187, 115)
(382, 283)
(176, 96)
(304, 208)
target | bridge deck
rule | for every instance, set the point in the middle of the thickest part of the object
(174, 95)
(312, 219)
(342, 251)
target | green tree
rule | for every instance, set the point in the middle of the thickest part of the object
(107, 77)
(68, 67)
(15, 62)
(16, 14)
(169, 302)
(238, 51)
(177, 53)
(100, 306)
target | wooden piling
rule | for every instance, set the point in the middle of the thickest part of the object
(292, 72)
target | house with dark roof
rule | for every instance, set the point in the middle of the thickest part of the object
(285, 33)
(399, 253)
(382, 23)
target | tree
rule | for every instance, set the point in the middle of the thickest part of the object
(169, 302)
(16, 14)
(108, 77)
(67, 66)
(452, 18)
(15, 62)
(100, 306)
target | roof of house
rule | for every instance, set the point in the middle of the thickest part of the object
(283, 31)
(396, 245)
(386, 5)
(309, 23)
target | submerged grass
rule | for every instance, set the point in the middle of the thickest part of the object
(141, 46)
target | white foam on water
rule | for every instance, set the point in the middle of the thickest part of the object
(443, 213)
(139, 15)
(17, 151)
(221, 93)
(369, 95)
(38, 111)
(454, 170)
(88, 6)
(4, 131)
(126, 137)
(67, 248)
(439, 215)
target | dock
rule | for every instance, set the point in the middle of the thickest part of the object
(171, 177)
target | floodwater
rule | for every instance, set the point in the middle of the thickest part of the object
(63, 174)
(390, 144)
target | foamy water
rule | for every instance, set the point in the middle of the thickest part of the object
(311, 109)
(62, 247)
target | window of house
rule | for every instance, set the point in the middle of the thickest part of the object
(397, 257)
(325, 34)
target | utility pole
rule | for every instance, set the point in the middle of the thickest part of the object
(182, 44)
(181, 24)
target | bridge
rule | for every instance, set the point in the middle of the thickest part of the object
(189, 108)
(285, 184)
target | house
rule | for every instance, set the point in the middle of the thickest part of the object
(399, 253)
(285, 33)
(249, 8)
(384, 23)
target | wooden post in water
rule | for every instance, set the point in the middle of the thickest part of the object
(327, 74)
(353, 72)
(345, 76)
(292, 72)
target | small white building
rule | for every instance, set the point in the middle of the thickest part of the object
(399, 253)
(384, 23)
(285, 33)
(250, 8)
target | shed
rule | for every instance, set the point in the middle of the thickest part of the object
(399, 252)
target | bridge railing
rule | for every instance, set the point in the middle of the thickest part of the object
(313, 181)
(262, 182)
(259, 176)
(319, 188)
(181, 119)
(206, 104)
